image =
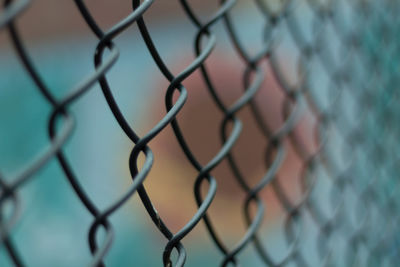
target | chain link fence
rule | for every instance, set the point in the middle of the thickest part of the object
(336, 68)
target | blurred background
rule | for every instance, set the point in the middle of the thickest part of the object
(53, 227)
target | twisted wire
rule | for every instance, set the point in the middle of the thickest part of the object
(363, 80)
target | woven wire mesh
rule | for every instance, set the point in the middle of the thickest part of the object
(344, 59)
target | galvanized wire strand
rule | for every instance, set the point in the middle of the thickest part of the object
(228, 117)
(57, 141)
(59, 109)
(360, 201)
(253, 224)
(325, 224)
(361, 75)
(140, 142)
(287, 127)
(12, 10)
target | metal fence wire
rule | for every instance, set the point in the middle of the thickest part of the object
(346, 62)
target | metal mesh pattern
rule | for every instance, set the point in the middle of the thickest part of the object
(345, 57)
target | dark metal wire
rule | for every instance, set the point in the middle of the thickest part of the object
(372, 158)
